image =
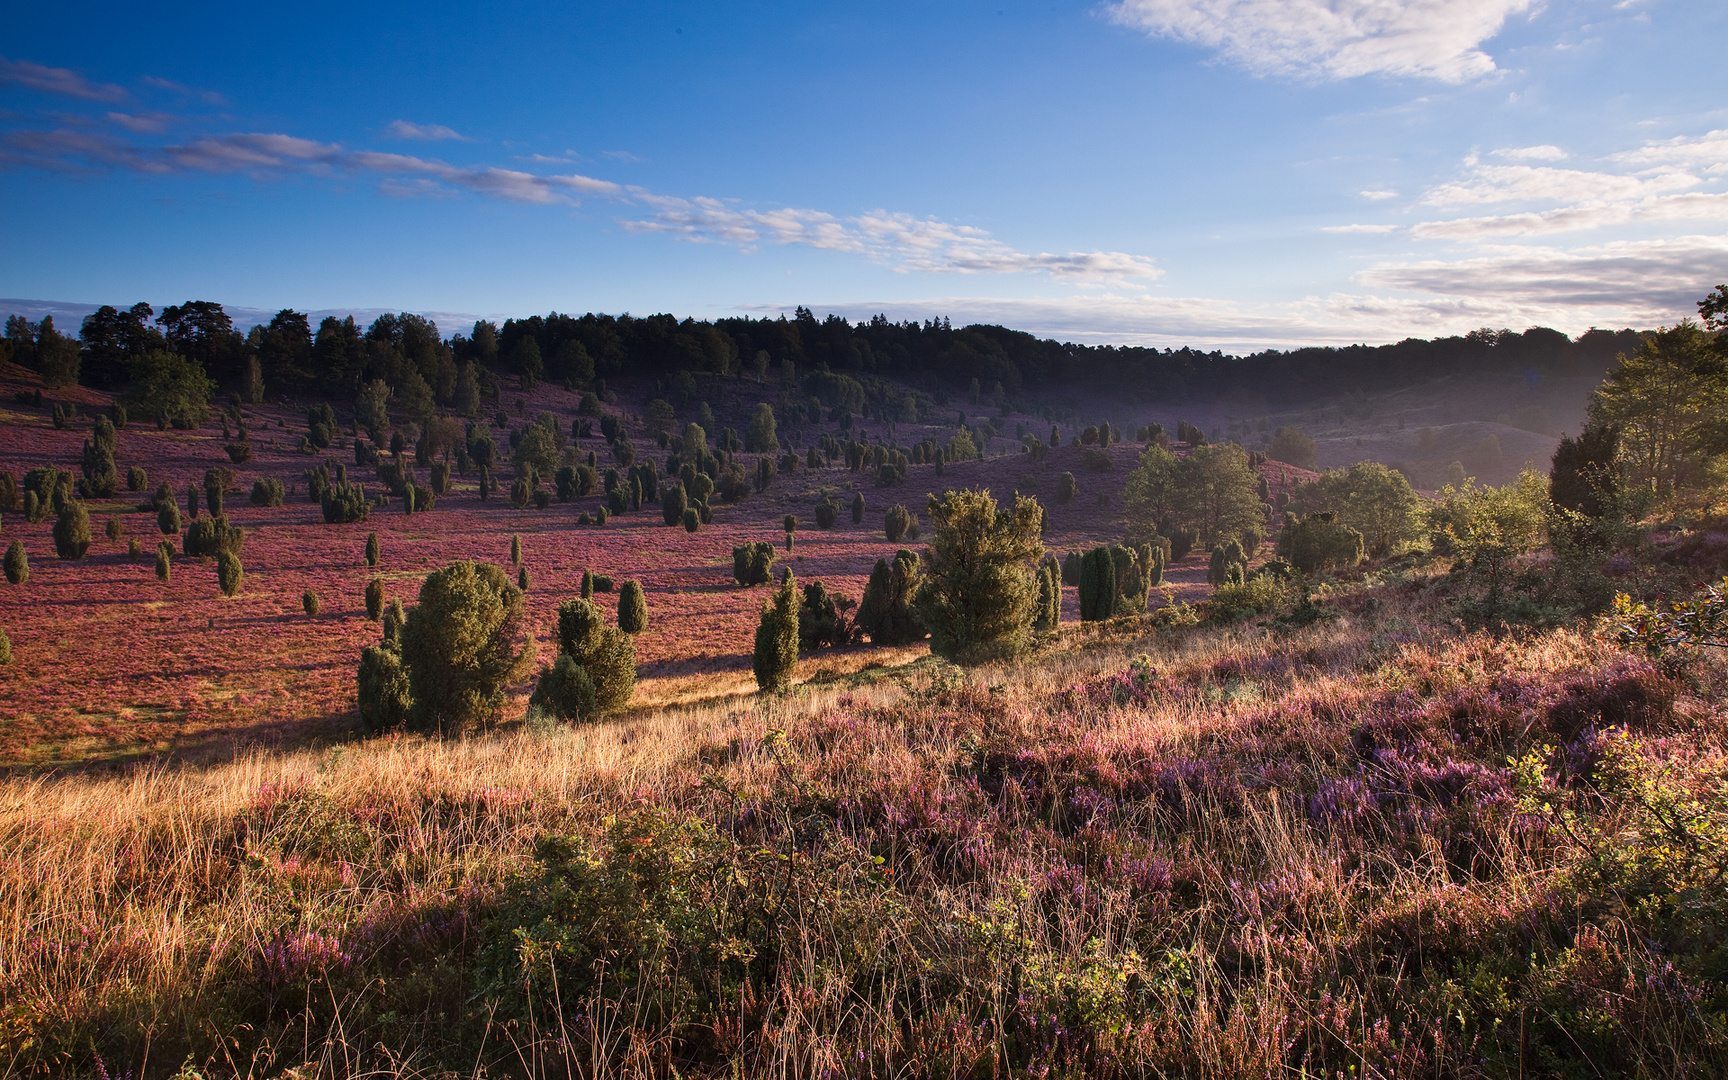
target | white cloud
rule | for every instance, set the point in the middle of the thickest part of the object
(1378, 196)
(1358, 228)
(403, 129)
(1335, 39)
(1533, 153)
(902, 241)
(52, 80)
(1708, 152)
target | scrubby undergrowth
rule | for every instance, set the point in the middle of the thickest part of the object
(1366, 846)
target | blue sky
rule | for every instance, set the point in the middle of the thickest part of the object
(1236, 173)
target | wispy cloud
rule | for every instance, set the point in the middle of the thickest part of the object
(905, 242)
(1660, 181)
(403, 129)
(1533, 153)
(620, 155)
(208, 97)
(143, 123)
(1358, 228)
(53, 80)
(1379, 195)
(1333, 39)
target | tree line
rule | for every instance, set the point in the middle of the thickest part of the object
(113, 347)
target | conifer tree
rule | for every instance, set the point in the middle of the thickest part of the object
(632, 608)
(978, 595)
(776, 652)
(17, 563)
(1097, 585)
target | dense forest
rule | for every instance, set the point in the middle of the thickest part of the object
(288, 355)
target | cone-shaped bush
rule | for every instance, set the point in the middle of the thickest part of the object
(372, 550)
(858, 509)
(137, 479)
(1225, 554)
(605, 652)
(673, 502)
(164, 562)
(777, 638)
(632, 608)
(522, 578)
(385, 701)
(587, 584)
(191, 500)
(229, 572)
(1049, 610)
(1065, 488)
(213, 499)
(515, 550)
(5, 649)
(460, 646)
(375, 599)
(1097, 585)
(392, 622)
(17, 563)
(564, 690)
(72, 530)
(309, 602)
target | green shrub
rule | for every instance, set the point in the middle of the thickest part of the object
(515, 549)
(191, 500)
(208, 537)
(632, 608)
(1229, 562)
(5, 649)
(267, 491)
(72, 530)
(114, 529)
(9, 491)
(587, 584)
(17, 563)
(1049, 609)
(1319, 542)
(1132, 588)
(393, 621)
(822, 621)
(564, 690)
(384, 695)
(229, 572)
(168, 519)
(607, 653)
(309, 602)
(858, 508)
(978, 593)
(1065, 488)
(886, 612)
(602, 583)
(776, 653)
(1182, 541)
(1097, 586)
(827, 512)
(1239, 599)
(896, 523)
(673, 502)
(375, 599)
(459, 646)
(692, 519)
(134, 548)
(344, 503)
(372, 550)
(522, 578)
(440, 478)
(752, 563)
(164, 561)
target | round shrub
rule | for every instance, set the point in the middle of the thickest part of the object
(137, 479)
(632, 608)
(564, 690)
(605, 652)
(460, 646)
(897, 522)
(229, 572)
(692, 519)
(383, 691)
(267, 491)
(309, 601)
(17, 563)
(114, 529)
(375, 599)
(72, 530)
(1065, 488)
(826, 514)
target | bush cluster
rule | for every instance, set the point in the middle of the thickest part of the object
(753, 563)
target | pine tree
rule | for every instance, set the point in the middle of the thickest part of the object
(776, 652)
(605, 652)
(459, 646)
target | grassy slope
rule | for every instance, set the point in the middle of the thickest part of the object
(1259, 851)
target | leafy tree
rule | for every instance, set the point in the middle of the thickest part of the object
(1318, 543)
(372, 410)
(1670, 401)
(1376, 501)
(632, 608)
(1292, 446)
(776, 653)
(760, 437)
(1585, 477)
(525, 359)
(605, 652)
(459, 646)
(1211, 491)
(173, 389)
(978, 594)
(114, 340)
